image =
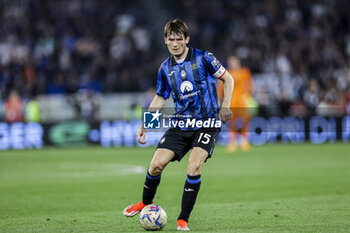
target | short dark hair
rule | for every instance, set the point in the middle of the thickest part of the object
(177, 26)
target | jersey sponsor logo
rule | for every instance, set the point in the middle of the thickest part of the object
(186, 86)
(181, 97)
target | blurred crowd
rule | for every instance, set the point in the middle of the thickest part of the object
(298, 51)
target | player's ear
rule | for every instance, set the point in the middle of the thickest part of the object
(187, 39)
(165, 40)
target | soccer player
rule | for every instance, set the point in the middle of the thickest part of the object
(190, 75)
(239, 103)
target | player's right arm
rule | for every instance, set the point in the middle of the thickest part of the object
(158, 102)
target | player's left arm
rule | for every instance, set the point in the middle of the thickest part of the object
(218, 71)
(225, 112)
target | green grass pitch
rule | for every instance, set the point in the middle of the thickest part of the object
(273, 188)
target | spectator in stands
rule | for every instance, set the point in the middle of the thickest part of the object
(13, 108)
(112, 45)
(32, 110)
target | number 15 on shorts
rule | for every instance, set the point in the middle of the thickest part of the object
(204, 138)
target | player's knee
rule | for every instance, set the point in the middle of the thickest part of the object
(155, 169)
(194, 168)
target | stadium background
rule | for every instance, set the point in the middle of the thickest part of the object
(97, 60)
(84, 69)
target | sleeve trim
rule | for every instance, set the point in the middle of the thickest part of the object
(161, 95)
(223, 74)
(220, 72)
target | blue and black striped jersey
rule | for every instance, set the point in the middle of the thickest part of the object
(192, 84)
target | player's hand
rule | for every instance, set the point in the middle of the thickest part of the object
(225, 114)
(141, 135)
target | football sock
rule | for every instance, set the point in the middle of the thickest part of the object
(150, 188)
(189, 196)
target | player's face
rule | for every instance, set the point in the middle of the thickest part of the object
(176, 44)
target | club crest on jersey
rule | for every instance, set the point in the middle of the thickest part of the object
(183, 74)
(186, 86)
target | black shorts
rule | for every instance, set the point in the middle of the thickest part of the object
(181, 141)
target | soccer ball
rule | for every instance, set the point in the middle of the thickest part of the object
(153, 218)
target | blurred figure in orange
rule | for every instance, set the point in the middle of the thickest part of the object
(14, 108)
(242, 94)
